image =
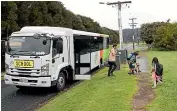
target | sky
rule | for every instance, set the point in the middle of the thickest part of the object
(144, 10)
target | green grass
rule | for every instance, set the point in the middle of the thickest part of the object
(101, 93)
(2, 75)
(166, 94)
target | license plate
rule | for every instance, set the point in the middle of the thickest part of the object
(23, 80)
(24, 63)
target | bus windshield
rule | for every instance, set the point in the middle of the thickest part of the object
(28, 46)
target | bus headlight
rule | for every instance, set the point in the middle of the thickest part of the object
(45, 70)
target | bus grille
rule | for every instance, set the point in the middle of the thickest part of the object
(25, 71)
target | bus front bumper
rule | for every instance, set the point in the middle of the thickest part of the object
(28, 81)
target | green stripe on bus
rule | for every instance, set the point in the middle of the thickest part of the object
(105, 54)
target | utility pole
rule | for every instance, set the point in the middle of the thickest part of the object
(137, 35)
(133, 24)
(118, 5)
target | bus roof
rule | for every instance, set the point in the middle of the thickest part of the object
(78, 32)
(30, 30)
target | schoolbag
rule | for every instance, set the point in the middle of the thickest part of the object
(159, 69)
(130, 58)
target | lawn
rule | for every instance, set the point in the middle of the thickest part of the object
(166, 94)
(101, 93)
(2, 75)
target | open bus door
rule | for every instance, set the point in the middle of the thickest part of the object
(82, 57)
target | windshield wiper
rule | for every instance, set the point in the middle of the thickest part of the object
(33, 54)
(26, 52)
(17, 52)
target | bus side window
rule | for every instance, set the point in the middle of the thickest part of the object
(57, 47)
(54, 48)
(60, 45)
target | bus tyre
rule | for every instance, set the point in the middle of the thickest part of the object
(61, 82)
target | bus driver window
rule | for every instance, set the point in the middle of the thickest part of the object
(57, 47)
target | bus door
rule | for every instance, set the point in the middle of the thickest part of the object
(82, 57)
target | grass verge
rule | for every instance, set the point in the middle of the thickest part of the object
(101, 93)
(2, 75)
(166, 94)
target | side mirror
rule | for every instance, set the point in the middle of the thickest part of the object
(44, 42)
(54, 52)
(53, 60)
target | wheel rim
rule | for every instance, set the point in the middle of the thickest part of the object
(61, 81)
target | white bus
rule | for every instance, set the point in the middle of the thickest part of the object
(41, 56)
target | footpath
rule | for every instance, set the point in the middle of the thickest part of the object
(145, 93)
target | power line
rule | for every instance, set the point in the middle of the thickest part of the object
(119, 6)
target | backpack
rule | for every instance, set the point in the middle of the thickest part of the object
(130, 58)
(159, 69)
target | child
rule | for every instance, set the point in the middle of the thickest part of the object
(157, 71)
(132, 58)
(138, 65)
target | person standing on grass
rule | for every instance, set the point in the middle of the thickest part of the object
(157, 71)
(132, 62)
(112, 60)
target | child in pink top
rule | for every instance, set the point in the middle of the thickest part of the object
(156, 78)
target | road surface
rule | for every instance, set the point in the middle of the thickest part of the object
(13, 99)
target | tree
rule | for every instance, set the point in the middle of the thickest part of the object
(114, 36)
(166, 37)
(36, 16)
(9, 18)
(68, 15)
(56, 10)
(148, 31)
(77, 23)
(46, 16)
(16, 15)
(23, 13)
(87, 23)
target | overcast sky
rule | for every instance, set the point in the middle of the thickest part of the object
(144, 10)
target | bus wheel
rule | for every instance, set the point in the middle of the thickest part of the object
(61, 82)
